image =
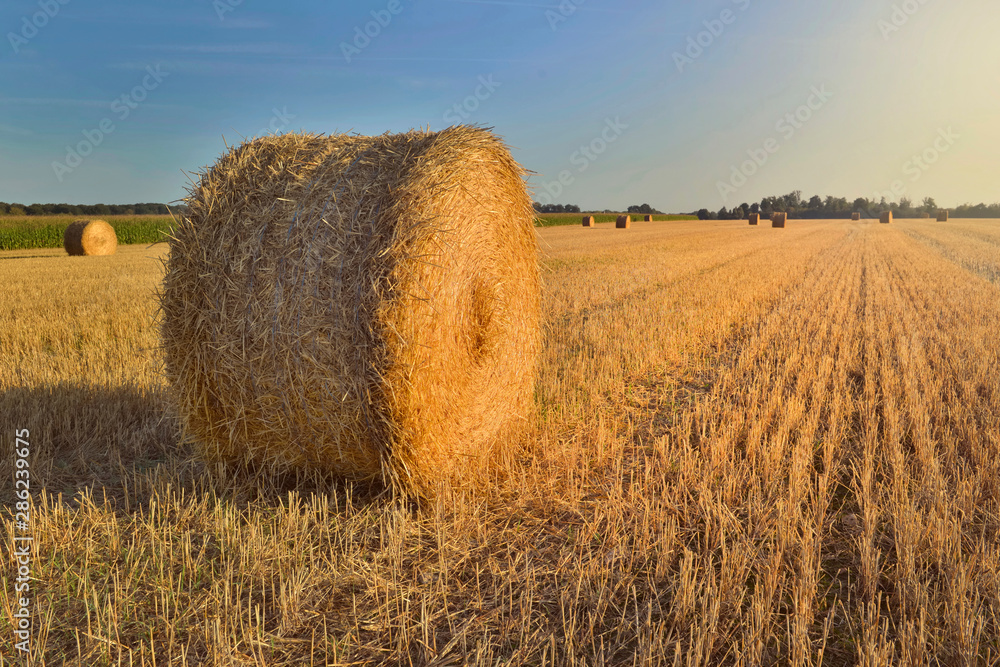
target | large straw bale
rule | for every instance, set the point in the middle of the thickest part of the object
(366, 306)
(942, 215)
(90, 237)
(755, 218)
(623, 222)
(855, 216)
(588, 221)
(647, 218)
(886, 217)
(778, 219)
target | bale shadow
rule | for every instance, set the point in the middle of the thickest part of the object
(88, 436)
(124, 446)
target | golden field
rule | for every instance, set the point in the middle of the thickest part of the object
(752, 446)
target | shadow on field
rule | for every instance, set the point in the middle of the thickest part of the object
(60, 256)
(125, 444)
(88, 436)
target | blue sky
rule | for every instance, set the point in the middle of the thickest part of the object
(679, 105)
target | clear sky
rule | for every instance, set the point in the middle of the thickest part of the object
(679, 105)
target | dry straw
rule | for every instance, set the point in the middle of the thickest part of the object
(90, 237)
(648, 218)
(754, 218)
(886, 217)
(942, 216)
(925, 214)
(366, 306)
(623, 222)
(778, 219)
(855, 216)
(588, 221)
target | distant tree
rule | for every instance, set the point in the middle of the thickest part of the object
(793, 200)
(723, 214)
(929, 205)
(768, 205)
(815, 203)
(755, 208)
(540, 208)
(16, 209)
(703, 214)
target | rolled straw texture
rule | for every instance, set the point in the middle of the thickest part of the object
(367, 306)
(90, 237)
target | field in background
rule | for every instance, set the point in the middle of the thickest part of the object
(557, 219)
(752, 446)
(23, 232)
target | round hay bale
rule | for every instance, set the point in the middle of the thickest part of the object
(778, 219)
(942, 215)
(886, 217)
(588, 221)
(754, 218)
(623, 222)
(90, 237)
(855, 216)
(365, 306)
(647, 218)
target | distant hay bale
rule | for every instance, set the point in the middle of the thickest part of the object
(942, 216)
(364, 306)
(90, 237)
(648, 218)
(588, 221)
(855, 216)
(623, 222)
(754, 218)
(778, 219)
(925, 215)
(886, 217)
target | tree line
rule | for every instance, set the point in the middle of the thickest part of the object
(573, 208)
(86, 209)
(830, 207)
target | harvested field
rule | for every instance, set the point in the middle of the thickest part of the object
(748, 449)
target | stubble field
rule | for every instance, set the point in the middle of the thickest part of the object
(752, 446)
